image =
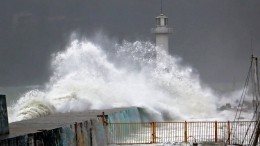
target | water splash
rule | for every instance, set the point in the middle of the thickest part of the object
(85, 76)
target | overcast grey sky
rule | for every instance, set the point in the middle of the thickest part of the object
(213, 36)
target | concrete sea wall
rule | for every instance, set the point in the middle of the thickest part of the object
(86, 133)
(127, 115)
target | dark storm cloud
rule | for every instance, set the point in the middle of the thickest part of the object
(211, 35)
(215, 37)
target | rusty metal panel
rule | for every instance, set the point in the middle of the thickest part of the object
(48, 137)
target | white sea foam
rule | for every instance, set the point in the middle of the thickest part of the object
(87, 76)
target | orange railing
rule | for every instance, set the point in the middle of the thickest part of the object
(162, 132)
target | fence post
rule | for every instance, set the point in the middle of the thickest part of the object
(153, 124)
(185, 132)
(229, 132)
(104, 118)
(216, 131)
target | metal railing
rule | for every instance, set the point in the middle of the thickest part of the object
(162, 132)
(162, 30)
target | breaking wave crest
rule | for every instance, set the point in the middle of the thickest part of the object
(31, 105)
(87, 76)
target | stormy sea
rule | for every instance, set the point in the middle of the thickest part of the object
(87, 75)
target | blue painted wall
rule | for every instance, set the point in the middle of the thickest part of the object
(125, 116)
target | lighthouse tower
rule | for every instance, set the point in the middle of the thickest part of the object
(162, 32)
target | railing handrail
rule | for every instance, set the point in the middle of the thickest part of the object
(157, 132)
(180, 122)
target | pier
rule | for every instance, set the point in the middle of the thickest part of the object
(118, 126)
(63, 129)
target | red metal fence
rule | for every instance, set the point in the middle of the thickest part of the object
(162, 132)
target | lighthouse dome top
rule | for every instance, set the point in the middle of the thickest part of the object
(161, 20)
(161, 16)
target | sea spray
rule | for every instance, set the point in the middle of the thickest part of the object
(136, 74)
(31, 105)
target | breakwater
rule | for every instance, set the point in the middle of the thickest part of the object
(67, 129)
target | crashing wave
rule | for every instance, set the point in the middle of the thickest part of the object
(136, 74)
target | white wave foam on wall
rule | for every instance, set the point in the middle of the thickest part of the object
(84, 77)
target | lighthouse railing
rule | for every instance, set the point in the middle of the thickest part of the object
(162, 30)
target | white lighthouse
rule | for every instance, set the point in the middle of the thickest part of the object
(162, 32)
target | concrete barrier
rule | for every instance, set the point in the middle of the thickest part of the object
(127, 115)
(4, 127)
(85, 132)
